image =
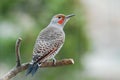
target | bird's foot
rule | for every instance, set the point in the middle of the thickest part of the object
(54, 61)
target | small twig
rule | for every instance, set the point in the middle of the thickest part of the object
(18, 57)
(13, 72)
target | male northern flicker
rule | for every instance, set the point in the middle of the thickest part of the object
(49, 42)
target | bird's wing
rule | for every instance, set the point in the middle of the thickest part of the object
(44, 50)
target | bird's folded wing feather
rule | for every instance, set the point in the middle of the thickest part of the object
(44, 49)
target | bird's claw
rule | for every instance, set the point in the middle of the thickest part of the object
(54, 61)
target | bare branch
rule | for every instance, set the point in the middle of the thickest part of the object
(21, 67)
(13, 72)
(18, 57)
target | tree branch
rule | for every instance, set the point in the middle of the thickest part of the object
(18, 57)
(13, 72)
(21, 67)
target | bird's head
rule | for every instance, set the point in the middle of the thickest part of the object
(61, 19)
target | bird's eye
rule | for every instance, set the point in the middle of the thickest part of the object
(59, 17)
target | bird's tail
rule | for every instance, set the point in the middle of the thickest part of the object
(33, 67)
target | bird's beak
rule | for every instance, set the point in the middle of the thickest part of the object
(71, 15)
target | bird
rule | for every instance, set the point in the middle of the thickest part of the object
(49, 42)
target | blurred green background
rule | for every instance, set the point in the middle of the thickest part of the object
(25, 19)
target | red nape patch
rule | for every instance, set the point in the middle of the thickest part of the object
(60, 21)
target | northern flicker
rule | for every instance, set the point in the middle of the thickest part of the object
(49, 42)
